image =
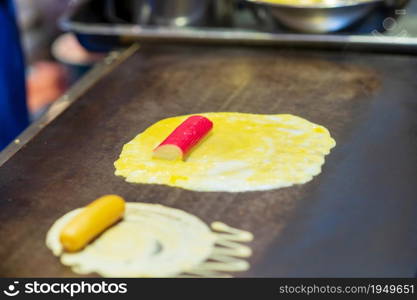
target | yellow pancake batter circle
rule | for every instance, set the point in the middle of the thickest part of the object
(243, 152)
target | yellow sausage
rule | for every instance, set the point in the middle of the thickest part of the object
(91, 221)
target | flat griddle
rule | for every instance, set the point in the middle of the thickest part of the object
(357, 218)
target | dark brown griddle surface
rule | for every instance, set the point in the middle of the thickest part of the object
(357, 218)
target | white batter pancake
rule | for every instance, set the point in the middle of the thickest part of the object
(243, 152)
(156, 241)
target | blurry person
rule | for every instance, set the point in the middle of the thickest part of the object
(13, 111)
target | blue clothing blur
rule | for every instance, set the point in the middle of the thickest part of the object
(13, 110)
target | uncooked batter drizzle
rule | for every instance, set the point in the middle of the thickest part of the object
(227, 254)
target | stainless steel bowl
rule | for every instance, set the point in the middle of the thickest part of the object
(178, 12)
(318, 17)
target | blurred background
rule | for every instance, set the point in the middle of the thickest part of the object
(54, 59)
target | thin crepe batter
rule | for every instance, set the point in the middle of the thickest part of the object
(243, 152)
(157, 241)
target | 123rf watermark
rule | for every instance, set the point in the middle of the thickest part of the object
(63, 288)
(392, 27)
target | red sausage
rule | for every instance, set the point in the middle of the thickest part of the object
(183, 138)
